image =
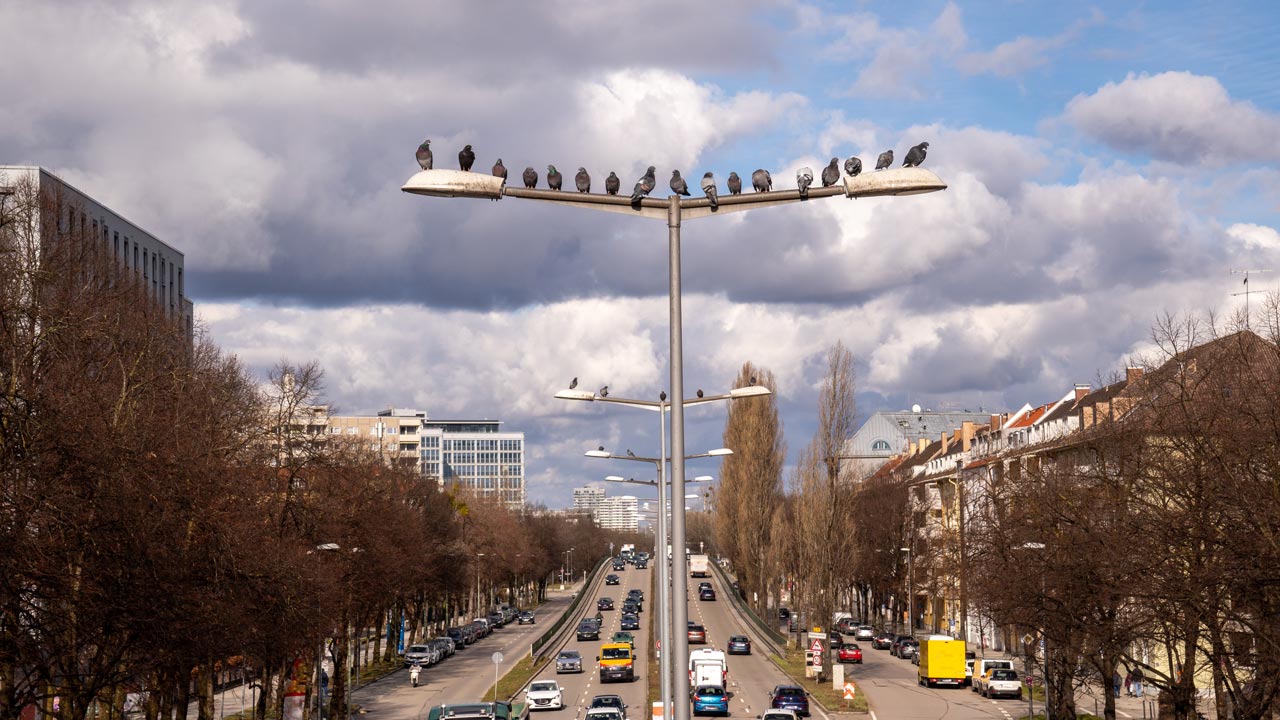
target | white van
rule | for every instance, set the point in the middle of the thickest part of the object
(982, 665)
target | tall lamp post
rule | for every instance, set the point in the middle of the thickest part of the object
(667, 594)
(452, 183)
(911, 605)
(1031, 708)
(662, 407)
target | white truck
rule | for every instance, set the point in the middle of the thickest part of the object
(699, 565)
(708, 667)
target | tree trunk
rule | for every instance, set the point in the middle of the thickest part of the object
(204, 691)
(338, 699)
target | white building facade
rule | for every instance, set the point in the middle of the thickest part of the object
(587, 500)
(621, 512)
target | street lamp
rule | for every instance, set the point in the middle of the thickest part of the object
(911, 604)
(1031, 699)
(675, 210)
(667, 626)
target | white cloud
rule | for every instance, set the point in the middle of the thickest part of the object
(1178, 117)
(1017, 56)
(901, 59)
(1255, 237)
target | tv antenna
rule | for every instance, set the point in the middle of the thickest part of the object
(1247, 292)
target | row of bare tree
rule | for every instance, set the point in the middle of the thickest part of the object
(1148, 541)
(166, 518)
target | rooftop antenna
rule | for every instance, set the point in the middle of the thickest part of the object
(1247, 292)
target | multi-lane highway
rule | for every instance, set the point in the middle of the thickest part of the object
(889, 683)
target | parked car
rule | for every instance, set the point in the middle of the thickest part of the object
(496, 620)
(883, 641)
(697, 635)
(1002, 682)
(604, 603)
(544, 695)
(709, 700)
(569, 661)
(525, 618)
(907, 648)
(790, 697)
(739, 645)
(897, 640)
(612, 579)
(850, 652)
(444, 644)
(629, 621)
(483, 627)
(864, 632)
(422, 654)
(458, 637)
(706, 594)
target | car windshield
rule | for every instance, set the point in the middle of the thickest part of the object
(738, 638)
(570, 654)
(616, 653)
(1004, 675)
(790, 691)
(710, 690)
(417, 648)
(543, 687)
(606, 701)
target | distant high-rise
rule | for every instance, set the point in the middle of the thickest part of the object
(587, 500)
(619, 513)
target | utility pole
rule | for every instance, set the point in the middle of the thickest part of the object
(1247, 292)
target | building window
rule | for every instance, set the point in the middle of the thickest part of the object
(880, 446)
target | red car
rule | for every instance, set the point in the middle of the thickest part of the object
(850, 652)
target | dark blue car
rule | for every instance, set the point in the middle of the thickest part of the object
(710, 699)
(790, 697)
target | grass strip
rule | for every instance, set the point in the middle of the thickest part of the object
(832, 700)
(516, 677)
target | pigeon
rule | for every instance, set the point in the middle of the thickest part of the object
(662, 396)
(573, 384)
(752, 381)
(761, 180)
(853, 166)
(554, 178)
(500, 170)
(915, 155)
(644, 186)
(612, 183)
(699, 392)
(804, 178)
(709, 189)
(582, 180)
(530, 178)
(629, 453)
(735, 184)
(604, 391)
(601, 448)
(424, 155)
(678, 185)
(466, 158)
(885, 160)
(831, 173)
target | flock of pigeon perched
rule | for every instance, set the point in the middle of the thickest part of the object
(761, 180)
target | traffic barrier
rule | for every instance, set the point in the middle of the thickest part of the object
(571, 614)
(745, 610)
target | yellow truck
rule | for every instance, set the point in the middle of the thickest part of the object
(941, 661)
(617, 662)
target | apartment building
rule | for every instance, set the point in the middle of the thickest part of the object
(621, 512)
(587, 500)
(158, 266)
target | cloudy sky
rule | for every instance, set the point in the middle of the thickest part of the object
(1107, 163)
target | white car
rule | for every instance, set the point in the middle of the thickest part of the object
(779, 714)
(604, 713)
(1001, 682)
(864, 632)
(544, 695)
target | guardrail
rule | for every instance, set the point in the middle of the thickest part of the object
(745, 610)
(570, 614)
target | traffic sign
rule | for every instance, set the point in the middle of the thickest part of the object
(816, 646)
(849, 691)
(1028, 639)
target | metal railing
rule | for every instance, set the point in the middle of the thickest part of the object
(745, 609)
(571, 613)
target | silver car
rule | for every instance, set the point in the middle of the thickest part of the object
(423, 655)
(569, 661)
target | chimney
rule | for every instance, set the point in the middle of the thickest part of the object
(946, 441)
(1132, 375)
(966, 434)
(1081, 391)
(995, 422)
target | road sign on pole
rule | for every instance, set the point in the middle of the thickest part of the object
(849, 691)
(815, 646)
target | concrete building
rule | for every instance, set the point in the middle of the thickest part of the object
(587, 500)
(473, 454)
(158, 266)
(620, 512)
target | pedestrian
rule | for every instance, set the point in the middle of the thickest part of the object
(1128, 683)
(1137, 682)
(1115, 681)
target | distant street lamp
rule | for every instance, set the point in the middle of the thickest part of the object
(1031, 700)
(675, 210)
